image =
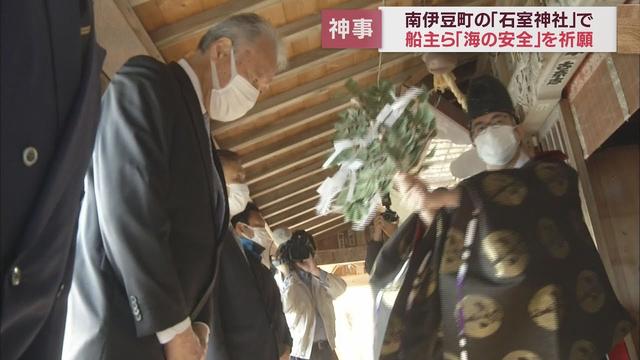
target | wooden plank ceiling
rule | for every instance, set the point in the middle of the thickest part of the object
(286, 137)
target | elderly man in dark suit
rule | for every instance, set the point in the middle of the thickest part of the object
(155, 212)
(49, 101)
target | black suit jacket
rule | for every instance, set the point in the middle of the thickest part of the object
(49, 101)
(152, 219)
(243, 329)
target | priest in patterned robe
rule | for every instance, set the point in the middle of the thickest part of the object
(506, 269)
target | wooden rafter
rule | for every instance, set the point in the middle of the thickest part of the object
(310, 59)
(315, 221)
(307, 205)
(137, 27)
(332, 229)
(311, 22)
(286, 162)
(299, 184)
(315, 229)
(287, 125)
(287, 199)
(299, 218)
(198, 24)
(313, 137)
(284, 204)
(119, 30)
(257, 189)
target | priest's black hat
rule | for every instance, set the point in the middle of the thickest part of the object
(486, 94)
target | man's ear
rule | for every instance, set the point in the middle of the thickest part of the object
(519, 131)
(244, 230)
(220, 48)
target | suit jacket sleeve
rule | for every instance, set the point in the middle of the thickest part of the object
(132, 185)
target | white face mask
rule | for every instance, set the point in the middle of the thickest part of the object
(261, 237)
(497, 144)
(235, 99)
(239, 197)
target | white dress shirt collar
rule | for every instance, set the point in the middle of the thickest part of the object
(194, 81)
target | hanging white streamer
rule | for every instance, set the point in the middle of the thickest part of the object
(332, 186)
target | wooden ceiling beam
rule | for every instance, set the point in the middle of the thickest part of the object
(283, 128)
(313, 137)
(306, 91)
(136, 25)
(276, 174)
(297, 185)
(290, 197)
(311, 59)
(298, 219)
(337, 221)
(327, 231)
(119, 30)
(315, 221)
(293, 183)
(284, 204)
(292, 211)
(287, 162)
(311, 22)
(198, 24)
(257, 188)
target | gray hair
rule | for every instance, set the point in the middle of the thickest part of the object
(243, 29)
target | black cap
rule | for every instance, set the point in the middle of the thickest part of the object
(486, 94)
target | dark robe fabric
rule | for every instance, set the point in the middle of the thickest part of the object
(50, 69)
(535, 287)
(152, 220)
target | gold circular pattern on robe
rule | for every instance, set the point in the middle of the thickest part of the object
(545, 308)
(583, 350)
(522, 355)
(621, 330)
(554, 176)
(504, 189)
(482, 315)
(453, 247)
(590, 292)
(552, 239)
(506, 252)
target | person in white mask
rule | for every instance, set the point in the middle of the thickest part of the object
(255, 277)
(497, 137)
(251, 323)
(234, 175)
(235, 61)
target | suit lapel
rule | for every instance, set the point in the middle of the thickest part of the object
(209, 160)
(215, 179)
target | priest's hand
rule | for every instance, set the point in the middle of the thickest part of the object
(416, 195)
(185, 346)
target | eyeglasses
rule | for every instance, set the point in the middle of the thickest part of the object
(497, 119)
